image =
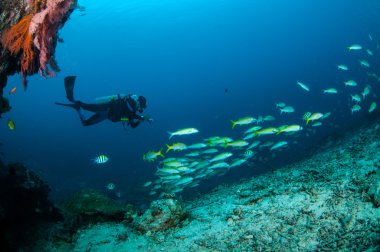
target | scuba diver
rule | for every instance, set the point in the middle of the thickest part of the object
(116, 108)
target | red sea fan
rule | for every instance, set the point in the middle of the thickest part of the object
(18, 39)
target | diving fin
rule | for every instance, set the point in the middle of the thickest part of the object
(75, 106)
(69, 86)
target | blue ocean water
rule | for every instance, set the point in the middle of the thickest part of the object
(183, 56)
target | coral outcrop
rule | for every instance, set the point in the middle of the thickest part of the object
(90, 206)
(24, 205)
(162, 215)
(33, 38)
(374, 193)
(28, 36)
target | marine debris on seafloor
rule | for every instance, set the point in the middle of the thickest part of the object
(329, 202)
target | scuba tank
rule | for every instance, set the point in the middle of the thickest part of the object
(120, 100)
(105, 99)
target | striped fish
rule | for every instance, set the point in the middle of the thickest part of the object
(248, 154)
(306, 115)
(101, 159)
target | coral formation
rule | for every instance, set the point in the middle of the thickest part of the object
(90, 206)
(374, 193)
(162, 215)
(44, 27)
(4, 105)
(17, 39)
(35, 35)
(23, 205)
(28, 36)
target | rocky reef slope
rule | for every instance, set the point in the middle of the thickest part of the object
(24, 206)
(328, 202)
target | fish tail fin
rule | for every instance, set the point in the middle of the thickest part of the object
(170, 135)
(160, 153)
(75, 106)
(225, 145)
(233, 124)
(168, 148)
(307, 121)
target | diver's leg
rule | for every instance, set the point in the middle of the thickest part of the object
(77, 105)
(69, 87)
(94, 119)
(93, 107)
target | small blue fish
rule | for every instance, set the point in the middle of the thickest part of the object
(101, 159)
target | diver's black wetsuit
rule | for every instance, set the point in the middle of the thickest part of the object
(116, 110)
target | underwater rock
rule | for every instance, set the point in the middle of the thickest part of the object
(162, 215)
(243, 193)
(130, 214)
(90, 206)
(374, 193)
(4, 105)
(24, 204)
(84, 209)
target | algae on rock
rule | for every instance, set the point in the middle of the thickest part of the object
(93, 207)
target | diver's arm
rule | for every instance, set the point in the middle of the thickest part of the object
(146, 118)
(138, 119)
(134, 123)
(135, 120)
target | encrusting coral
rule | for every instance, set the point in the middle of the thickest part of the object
(34, 36)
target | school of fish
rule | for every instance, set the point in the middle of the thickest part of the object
(185, 165)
